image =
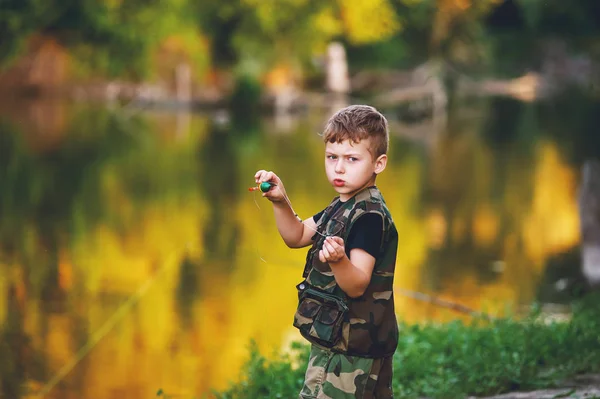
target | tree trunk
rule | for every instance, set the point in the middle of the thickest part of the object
(337, 69)
(589, 216)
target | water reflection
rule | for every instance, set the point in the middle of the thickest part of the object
(14, 344)
(498, 201)
(219, 183)
(133, 258)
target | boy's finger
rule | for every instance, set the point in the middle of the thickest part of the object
(337, 240)
(267, 176)
(332, 243)
(333, 248)
(261, 176)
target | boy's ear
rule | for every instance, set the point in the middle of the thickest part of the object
(380, 163)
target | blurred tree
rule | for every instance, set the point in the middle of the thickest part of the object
(408, 46)
(446, 32)
(110, 36)
(558, 18)
(458, 33)
(135, 37)
(257, 35)
(120, 38)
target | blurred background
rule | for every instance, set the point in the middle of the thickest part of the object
(134, 259)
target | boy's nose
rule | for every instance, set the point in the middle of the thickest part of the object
(339, 166)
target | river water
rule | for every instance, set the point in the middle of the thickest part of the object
(133, 257)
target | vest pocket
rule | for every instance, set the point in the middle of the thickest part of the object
(319, 315)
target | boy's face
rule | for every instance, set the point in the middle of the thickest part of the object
(350, 167)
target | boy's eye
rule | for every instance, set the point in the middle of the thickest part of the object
(331, 157)
(352, 159)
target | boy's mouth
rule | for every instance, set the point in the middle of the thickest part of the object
(338, 182)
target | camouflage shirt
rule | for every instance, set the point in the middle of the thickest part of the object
(371, 329)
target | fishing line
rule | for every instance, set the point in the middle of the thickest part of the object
(256, 246)
(266, 186)
(101, 332)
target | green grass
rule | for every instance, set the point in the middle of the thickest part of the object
(456, 359)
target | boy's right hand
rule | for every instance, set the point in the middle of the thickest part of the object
(275, 194)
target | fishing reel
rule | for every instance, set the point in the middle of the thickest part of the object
(264, 187)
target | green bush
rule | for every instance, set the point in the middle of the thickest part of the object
(456, 359)
(271, 379)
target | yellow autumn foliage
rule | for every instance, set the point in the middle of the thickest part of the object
(368, 21)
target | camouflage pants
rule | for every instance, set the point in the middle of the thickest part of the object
(331, 375)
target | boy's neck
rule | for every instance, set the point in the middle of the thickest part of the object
(358, 192)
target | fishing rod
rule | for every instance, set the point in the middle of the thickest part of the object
(455, 306)
(416, 295)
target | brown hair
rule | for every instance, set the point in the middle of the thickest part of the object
(358, 122)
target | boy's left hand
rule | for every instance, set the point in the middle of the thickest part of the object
(333, 250)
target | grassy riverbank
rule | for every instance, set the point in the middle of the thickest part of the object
(456, 360)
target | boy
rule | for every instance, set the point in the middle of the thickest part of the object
(346, 302)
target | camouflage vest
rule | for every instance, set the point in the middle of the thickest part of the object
(371, 330)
